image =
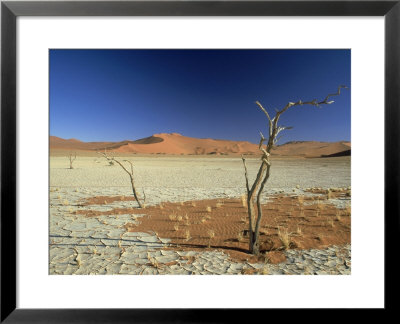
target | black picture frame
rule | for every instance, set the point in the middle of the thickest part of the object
(10, 10)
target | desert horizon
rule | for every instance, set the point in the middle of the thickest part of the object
(178, 144)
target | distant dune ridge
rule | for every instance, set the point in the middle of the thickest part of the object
(175, 143)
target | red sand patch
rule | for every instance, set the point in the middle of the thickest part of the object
(221, 224)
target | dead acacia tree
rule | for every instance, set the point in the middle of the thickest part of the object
(130, 173)
(71, 160)
(254, 192)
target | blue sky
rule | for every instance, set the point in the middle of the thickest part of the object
(114, 95)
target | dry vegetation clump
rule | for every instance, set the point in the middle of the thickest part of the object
(284, 237)
(211, 235)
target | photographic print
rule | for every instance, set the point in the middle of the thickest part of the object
(200, 162)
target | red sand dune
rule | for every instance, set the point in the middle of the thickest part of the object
(313, 149)
(175, 143)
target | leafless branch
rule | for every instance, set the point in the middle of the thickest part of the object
(262, 140)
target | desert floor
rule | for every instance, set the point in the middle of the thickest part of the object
(195, 221)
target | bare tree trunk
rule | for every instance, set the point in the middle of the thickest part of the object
(71, 160)
(135, 194)
(264, 171)
(256, 243)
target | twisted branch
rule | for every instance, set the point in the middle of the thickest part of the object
(129, 173)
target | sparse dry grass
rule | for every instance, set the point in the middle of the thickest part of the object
(338, 215)
(244, 200)
(211, 235)
(187, 235)
(209, 209)
(284, 237)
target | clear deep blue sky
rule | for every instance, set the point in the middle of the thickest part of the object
(114, 95)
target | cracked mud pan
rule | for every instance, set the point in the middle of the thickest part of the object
(107, 243)
(112, 236)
